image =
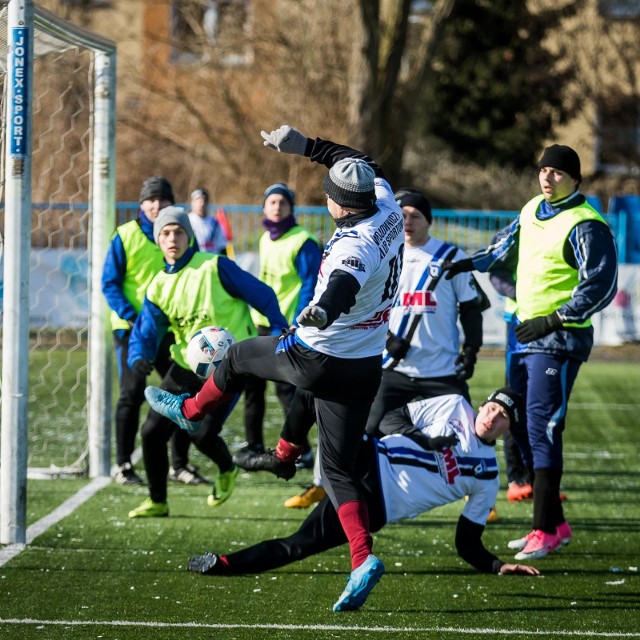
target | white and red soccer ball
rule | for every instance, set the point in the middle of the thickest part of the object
(206, 349)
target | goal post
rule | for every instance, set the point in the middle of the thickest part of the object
(58, 168)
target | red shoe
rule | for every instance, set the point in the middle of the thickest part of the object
(518, 492)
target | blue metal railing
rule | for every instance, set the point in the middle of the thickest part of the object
(67, 225)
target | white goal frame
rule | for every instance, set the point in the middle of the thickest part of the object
(23, 20)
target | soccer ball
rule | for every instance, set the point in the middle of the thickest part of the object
(206, 350)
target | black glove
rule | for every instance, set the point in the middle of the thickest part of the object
(454, 268)
(142, 367)
(437, 443)
(466, 363)
(538, 327)
(397, 347)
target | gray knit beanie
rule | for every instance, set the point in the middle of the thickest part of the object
(350, 183)
(172, 215)
(156, 187)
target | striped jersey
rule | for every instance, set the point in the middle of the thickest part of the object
(415, 480)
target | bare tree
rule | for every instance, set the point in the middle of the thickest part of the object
(386, 76)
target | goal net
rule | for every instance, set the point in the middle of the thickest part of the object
(69, 205)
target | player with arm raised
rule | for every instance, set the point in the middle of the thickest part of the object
(335, 353)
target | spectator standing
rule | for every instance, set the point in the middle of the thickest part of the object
(195, 289)
(289, 262)
(207, 230)
(336, 351)
(133, 259)
(566, 269)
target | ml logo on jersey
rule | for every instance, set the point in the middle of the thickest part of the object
(419, 301)
(447, 465)
(354, 263)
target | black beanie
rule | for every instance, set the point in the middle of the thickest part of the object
(511, 401)
(559, 156)
(156, 187)
(417, 200)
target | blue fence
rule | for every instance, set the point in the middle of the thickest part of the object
(66, 225)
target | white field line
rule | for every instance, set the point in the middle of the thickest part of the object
(320, 627)
(66, 508)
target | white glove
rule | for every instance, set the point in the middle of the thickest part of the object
(285, 139)
(312, 317)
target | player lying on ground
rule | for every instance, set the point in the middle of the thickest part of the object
(442, 454)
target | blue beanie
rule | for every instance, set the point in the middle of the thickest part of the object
(282, 189)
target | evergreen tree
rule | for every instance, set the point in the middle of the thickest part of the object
(494, 92)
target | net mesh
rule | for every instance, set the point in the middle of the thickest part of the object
(59, 262)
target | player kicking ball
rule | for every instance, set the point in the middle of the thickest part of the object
(336, 350)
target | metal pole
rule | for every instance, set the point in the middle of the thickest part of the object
(102, 224)
(15, 338)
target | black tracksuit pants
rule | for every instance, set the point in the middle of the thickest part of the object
(132, 385)
(396, 389)
(157, 430)
(343, 390)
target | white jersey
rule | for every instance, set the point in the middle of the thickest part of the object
(435, 344)
(208, 233)
(371, 252)
(415, 480)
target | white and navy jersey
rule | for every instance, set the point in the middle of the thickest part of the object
(435, 344)
(415, 480)
(370, 251)
(208, 232)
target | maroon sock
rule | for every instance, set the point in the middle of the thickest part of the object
(287, 451)
(354, 518)
(205, 401)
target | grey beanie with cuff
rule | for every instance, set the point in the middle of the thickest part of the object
(172, 215)
(350, 184)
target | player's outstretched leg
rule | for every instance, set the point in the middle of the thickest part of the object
(170, 406)
(360, 584)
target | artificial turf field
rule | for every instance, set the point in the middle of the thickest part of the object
(98, 574)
